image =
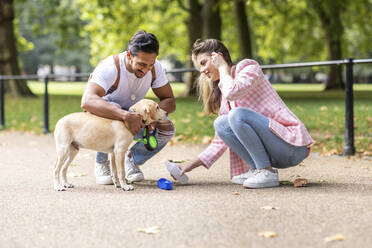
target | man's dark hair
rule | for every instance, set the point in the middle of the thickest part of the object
(143, 42)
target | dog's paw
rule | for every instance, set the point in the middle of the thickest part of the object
(127, 187)
(59, 188)
(68, 185)
(116, 183)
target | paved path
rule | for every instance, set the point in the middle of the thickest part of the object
(209, 212)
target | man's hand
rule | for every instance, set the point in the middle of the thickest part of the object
(153, 125)
(133, 121)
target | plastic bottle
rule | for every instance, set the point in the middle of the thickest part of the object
(175, 171)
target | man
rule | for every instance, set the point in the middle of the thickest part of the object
(115, 85)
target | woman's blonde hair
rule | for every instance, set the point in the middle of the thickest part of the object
(209, 92)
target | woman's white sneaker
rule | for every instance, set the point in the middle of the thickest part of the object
(239, 179)
(262, 178)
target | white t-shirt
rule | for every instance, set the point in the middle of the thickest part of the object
(105, 75)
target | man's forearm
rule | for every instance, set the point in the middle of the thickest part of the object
(99, 107)
(168, 105)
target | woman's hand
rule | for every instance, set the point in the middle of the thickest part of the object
(189, 166)
(218, 61)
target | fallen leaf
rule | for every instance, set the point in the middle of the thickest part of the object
(326, 152)
(200, 114)
(323, 108)
(337, 237)
(367, 153)
(150, 230)
(285, 183)
(72, 174)
(177, 161)
(207, 139)
(300, 182)
(175, 140)
(268, 234)
(270, 208)
(33, 119)
(186, 120)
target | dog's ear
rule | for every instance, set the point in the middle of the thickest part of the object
(151, 112)
(146, 113)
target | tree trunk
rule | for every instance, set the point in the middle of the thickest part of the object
(8, 51)
(244, 32)
(194, 27)
(211, 19)
(329, 15)
(203, 20)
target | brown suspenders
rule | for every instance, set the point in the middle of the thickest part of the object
(115, 85)
(117, 64)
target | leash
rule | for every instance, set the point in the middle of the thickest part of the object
(148, 139)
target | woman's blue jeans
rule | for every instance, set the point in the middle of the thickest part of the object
(247, 133)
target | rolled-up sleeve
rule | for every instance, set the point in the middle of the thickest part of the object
(213, 152)
(248, 72)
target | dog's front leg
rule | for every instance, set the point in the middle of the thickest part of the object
(119, 159)
(114, 172)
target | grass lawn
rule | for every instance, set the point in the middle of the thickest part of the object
(322, 112)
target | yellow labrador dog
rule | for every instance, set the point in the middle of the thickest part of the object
(85, 130)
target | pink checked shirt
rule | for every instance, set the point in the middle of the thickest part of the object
(250, 89)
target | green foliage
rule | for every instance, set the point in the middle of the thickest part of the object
(282, 30)
(111, 24)
(358, 31)
(54, 30)
(289, 30)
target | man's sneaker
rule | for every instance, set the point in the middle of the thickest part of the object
(132, 171)
(262, 178)
(239, 179)
(102, 173)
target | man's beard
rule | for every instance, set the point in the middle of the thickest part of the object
(138, 76)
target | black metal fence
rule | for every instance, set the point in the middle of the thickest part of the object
(349, 148)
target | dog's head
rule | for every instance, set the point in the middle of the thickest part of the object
(149, 110)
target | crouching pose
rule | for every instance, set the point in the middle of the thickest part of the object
(254, 122)
(117, 83)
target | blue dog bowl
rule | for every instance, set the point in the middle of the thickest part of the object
(164, 184)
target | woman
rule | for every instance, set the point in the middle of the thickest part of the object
(253, 121)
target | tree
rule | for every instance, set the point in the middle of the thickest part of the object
(56, 31)
(211, 18)
(291, 31)
(111, 24)
(243, 30)
(203, 21)
(195, 31)
(8, 51)
(329, 13)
